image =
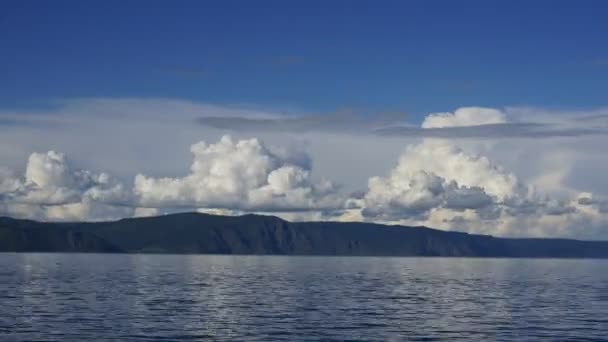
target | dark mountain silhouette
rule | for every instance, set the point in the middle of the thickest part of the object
(195, 233)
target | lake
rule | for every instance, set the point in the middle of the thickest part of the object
(113, 297)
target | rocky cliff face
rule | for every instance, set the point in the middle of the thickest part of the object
(252, 234)
(30, 236)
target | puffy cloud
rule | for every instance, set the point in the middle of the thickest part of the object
(8, 181)
(439, 184)
(435, 175)
(414, 193)
(231, 175)
(241, 175)
(491, 123)
(52, 189)
(466, 116)
(439, 181)
(462, 198)
(88, 210)
(50, 180)
(452, 163)
(589, 201)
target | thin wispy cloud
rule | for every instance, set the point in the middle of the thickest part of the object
(493, 131)
(341, 122)
(394, 126)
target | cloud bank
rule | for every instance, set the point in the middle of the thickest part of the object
(439, 184)
(436, 181)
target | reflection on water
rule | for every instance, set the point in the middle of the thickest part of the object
(74, 297)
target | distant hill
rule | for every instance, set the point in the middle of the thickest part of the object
(194, 233)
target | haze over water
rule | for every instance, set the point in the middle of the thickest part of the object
(75, 297)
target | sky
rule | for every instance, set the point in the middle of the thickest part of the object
(419, 56)
(481, 116)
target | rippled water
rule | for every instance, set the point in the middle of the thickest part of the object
(75, 297)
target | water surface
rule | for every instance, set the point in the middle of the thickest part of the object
(78, 297)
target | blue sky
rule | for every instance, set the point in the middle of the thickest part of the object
(112, 109)
(416, 56)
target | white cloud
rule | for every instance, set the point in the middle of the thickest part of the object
(436, 174)
(241, 175)
(52, 189)
(87, 210)
(439, 184)
(463, 123)
(50, 180)
(414, 193)
(8, 181)
(484, 183)
(466, 116)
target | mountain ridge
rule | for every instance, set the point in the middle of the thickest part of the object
(198, 233)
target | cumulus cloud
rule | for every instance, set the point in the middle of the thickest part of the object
(437, 174)
(233, 175)
(8, 181)
(241, 175)
(438, 183)
(414, 193)
(50, 180)
(491, 123)
(466, 116)
(434, 183)
(477, 185)
(52, 189)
